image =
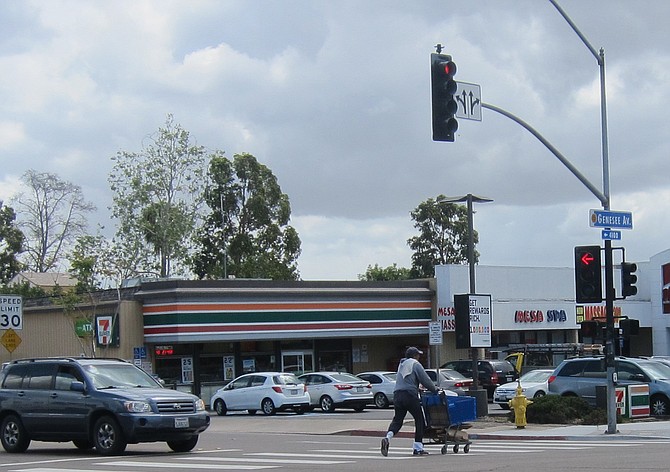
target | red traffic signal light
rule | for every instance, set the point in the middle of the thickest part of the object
(443, 88)
(588, 275)
(589, 329)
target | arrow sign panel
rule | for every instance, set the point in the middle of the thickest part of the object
(469, 100)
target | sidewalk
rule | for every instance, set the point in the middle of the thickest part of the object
(488, 428)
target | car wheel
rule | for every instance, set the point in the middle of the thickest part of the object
(83, 444)
(14, 436)
(327, 405)
(381, 401)
(300, 410)
(504, 406)
(220, 407)
(184, 445)
(252, 412)
(359, 408)
(539, 394)
(659, 405)
(108, 437)
(268, 407)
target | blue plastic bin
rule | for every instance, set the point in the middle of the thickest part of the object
(462, 409)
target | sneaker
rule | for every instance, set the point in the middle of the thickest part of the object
(420, 452)
(385, 447)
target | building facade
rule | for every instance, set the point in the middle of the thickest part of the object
(198, 335)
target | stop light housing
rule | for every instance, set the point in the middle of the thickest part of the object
(443, 88)
(629, 327)
(589, 329)
(628, 279)
(588, 275)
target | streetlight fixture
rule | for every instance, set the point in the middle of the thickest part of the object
(470, 199)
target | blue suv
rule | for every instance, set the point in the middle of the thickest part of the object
(95, 403)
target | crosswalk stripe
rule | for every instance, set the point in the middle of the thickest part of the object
(351, 455)
(172, 465)
(266, 461)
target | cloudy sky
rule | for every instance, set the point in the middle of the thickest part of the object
(334, 97)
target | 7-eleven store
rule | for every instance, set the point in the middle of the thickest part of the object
(202, 334)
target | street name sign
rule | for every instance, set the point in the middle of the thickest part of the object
(611, 234)
(610, 219)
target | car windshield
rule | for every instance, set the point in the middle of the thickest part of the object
(451, 374)
(536, 376)
(345, 378)
(286, 379)
(119, 376)
(657, 370)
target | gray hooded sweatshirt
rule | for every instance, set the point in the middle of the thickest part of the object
(410, 375)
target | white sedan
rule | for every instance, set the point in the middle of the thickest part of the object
(533, 385)
(383, 383)
(266, 391)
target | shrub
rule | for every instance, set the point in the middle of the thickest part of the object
(558, 410)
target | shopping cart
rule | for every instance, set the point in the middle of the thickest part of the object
(446, 417)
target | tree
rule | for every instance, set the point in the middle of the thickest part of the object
(442, 239)
(157, 195)
(378, 273)
(11, 244)
(53, 213)
(247, 232)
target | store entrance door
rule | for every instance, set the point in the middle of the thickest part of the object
(297, 362)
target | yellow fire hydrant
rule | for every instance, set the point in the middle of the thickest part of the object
(519, 404)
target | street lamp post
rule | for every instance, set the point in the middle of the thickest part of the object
(470, 199)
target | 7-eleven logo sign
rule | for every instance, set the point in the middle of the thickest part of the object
(620, 395)
(104, 329)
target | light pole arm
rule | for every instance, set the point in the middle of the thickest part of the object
(594, 190)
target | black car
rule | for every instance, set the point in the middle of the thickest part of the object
(101, 403)
(491, 373)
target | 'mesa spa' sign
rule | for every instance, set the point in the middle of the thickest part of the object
(538, 316)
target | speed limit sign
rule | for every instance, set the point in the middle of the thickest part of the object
(11, 312)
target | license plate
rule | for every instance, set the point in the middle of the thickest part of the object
(181, 422)
(359, 389)
(510, 378)
(294, 391)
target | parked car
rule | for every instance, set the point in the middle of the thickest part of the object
(101, 403)
(492, 373)
(580, 377)
(383, 383)
(329, 390)
(534, 384)
(266, 391)
(451, 380)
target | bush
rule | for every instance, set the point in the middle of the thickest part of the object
(558, 410)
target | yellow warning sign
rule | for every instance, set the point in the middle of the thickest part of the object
(10, 339)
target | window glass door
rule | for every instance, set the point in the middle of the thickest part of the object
(297, 362)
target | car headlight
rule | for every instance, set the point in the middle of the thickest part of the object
(137, 407)
(199, 405)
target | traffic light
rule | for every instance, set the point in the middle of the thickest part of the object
(629, 327)
(443, 87)
(589, 329)
(588, 275)
(628, 279)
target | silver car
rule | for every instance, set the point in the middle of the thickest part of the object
(451, 380)
(383, 383)
(329, 390)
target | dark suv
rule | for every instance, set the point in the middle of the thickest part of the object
(491, 373)
(101, 403)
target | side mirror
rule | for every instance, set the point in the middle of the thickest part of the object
(77, 386)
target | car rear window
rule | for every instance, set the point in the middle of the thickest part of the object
(286, 379)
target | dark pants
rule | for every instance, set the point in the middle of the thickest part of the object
(403, 402)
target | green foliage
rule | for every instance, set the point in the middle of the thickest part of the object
(246, 234)
(443, 236)
(11, 244)
(556, 409)
(157, 196)
(392, 272)
(24, 289)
